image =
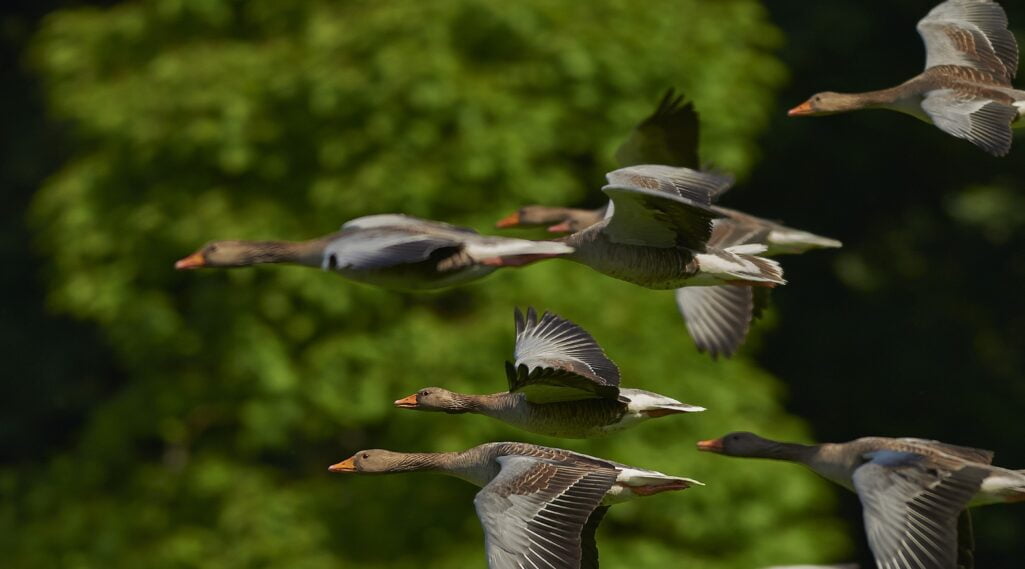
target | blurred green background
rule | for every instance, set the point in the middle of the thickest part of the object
(161, 419)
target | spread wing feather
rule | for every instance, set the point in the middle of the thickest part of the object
(651, 218)
(534, 512)
(911, 509)
(380, 248)
(556, 360)
(717, 317)
(984, 123)
(971, 33)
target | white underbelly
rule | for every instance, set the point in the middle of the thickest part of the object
(1018, 122)
(1001, 486)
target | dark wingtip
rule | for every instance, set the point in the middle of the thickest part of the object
(518, 319)
(531, 316)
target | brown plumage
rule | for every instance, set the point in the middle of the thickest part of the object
(913, 491)
(539, 506)
(965, 90)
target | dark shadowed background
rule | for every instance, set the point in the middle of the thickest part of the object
(159, 419)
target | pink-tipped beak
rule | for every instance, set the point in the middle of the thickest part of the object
(711, 445)
(801, 110)
(511, 220)
(193, 261)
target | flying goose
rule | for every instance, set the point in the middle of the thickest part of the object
(965, 90)
(390, 250)
(539, 506)
(717, 318)
(913, 491)
(656, 234)
(561, 384)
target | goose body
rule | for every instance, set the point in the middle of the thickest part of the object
(561, 384)
(389, 250)
(965, 90)
(717, 317)
(657, 229)
(913, 491)
(539, 506)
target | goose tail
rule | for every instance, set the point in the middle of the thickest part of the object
(794, 241)
(653, 404)
(741, 264)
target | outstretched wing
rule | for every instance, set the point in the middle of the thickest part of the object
(660, 211)
(534, 512)
(556, 360)
(717, 317)
(970, 33)
(588, 544)
(380, 248)
(701, 187)
(983, 122)
(669, 136)
(971, 454)
(911, 508)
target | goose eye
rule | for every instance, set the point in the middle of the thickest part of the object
(425, 393)
(365, 455)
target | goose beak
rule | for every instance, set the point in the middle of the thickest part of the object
(801, 110)
(407, 402)
(711, 445)
(563, 227)
(511, 220)
(193, 261)
(347, 465)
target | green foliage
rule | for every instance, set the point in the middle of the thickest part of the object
(202, 119)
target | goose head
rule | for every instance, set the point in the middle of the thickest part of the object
(435, 399)
(827, 103)
(741, 444)
(558, 219)
(373, 461)
(222, 254)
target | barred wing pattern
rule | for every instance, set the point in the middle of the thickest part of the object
(717, 317)
(556, 360)
(970, 33)
(534, 512)
(911, 509)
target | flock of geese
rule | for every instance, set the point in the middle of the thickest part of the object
(662, 229)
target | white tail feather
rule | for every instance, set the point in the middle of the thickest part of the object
(739, 263)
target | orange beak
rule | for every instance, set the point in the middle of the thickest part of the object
(193, 261)
(801, 110)
(511, 220)
(347, 465)
(712, 445)
(563, 227)
(407, 402)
